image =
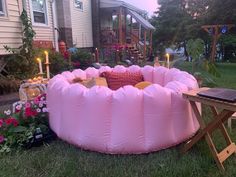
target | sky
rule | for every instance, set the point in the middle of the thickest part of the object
(148, 5)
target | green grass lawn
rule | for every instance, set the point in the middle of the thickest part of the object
(60, 159)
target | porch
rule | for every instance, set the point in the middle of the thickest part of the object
(124, 25)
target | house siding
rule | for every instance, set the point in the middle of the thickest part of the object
(82, 32)
(10, 27)
(43, 33)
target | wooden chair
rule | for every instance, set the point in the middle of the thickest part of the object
(230, 121)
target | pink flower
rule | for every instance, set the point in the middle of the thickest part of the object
(1, 139)
(27, 105)
(36, 100)
(1, 122)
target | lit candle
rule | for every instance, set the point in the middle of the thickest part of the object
(40, 66)
(168, 60)
(47, 64)
(96, 54)
(46, 54)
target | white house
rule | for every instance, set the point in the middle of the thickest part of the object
(70, 20)
(77, 22)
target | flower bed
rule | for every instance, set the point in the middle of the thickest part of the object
(25, 126)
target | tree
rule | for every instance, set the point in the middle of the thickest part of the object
(221, 12)
(177, 21)
(172, 23)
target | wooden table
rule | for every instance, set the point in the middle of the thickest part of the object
(227, 109)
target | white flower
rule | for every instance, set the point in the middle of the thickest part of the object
(45, 110)
(38, 110)
(8, 112)
(40, 104)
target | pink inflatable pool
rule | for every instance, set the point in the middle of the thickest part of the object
(127, 120)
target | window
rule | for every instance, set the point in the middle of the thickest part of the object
(79, 4)
(39, 11)
(2, 8)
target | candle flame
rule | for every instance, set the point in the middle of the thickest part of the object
(167, 55)
(38, 59)
(46, 52)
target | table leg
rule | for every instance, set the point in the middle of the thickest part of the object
(205, 131)
(222, 127)
(206, 134)
(221, 117)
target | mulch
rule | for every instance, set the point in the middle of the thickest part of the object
(7, 100)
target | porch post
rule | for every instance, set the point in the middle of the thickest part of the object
(145, 46)
(131, 29)
(96, 23)
(125, 26)
(140, 32)
(150, 43)
(120, 25)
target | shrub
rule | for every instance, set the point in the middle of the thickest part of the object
(81, 59)
(58, 63)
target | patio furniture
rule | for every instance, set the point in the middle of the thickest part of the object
(230, 121)
(123, 121)
(206, 129)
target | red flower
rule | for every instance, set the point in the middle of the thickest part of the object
(12, 121)
(8, 121)
(66, 55)
(16, 111)
(29, 112)
(76, 64)
(15, 122)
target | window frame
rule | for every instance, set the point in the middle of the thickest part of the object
(46, 24)
(75, 6)
(3, 12)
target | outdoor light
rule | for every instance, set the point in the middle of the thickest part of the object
(211, 31)
(224, 29)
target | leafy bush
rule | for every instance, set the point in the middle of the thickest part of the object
(196, 50)
(81, 59)
(58, 63)
(20, 67)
